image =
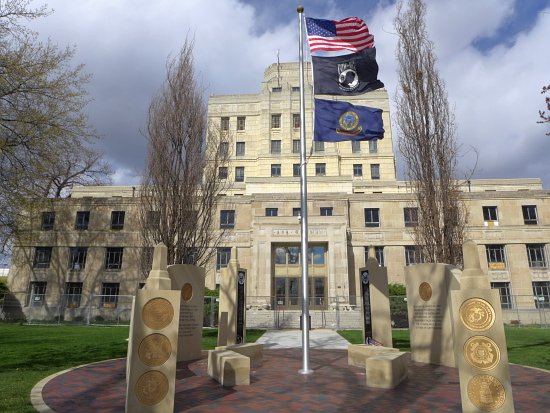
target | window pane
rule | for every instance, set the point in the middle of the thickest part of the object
(504, 293)
(42, 257)
(373, 146)
(372, 217)
(296, 146)
(73, 293)
(490, 213)
(296, 169)
(320, 169)
(356, 146)
(240, 149)
(276, 169)
(536, 254)
(280, 255)
(37, 293)
(48, 220)
(296, 120)
(117, 220)
(239, 174)
(223, 255)
(496, 257)
(241, 122)
(375, 171)
(319, 146)
(529, 214)
(82, 220)
(222, 172)
(410, 216)
(224, 125)
(113, 258)
(357, 170)
(275, 146)
(109, 295)
(326, 211)
(77, 258)
(227, 219)
(293, 255)
(318, 255)
(271, 212)
(276, 121)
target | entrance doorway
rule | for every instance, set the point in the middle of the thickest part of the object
(287, 281)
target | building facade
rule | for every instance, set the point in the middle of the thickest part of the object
(84, 250)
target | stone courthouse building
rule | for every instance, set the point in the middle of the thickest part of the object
(85, 249)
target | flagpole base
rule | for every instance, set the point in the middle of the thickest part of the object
(305, 371)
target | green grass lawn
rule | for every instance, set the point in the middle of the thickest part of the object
(30, 353)
(526, 346)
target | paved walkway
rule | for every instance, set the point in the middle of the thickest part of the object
(278, 387)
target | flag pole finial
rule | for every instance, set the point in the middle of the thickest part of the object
(300, 9)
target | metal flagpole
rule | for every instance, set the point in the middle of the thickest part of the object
(303, 206)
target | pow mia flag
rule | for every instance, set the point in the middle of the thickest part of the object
(351, 74)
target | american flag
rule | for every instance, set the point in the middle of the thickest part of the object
(336, 38)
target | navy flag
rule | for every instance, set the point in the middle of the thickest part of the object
(337, 121)
(351, 74)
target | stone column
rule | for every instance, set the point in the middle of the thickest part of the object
(152, 346)
(479, 341)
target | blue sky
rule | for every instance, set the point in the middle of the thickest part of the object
(492, 55)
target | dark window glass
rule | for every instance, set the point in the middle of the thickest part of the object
(320, 169)
(411, 216)
(319, 146)
(276, 121)
(504, 293)
(490, 213)
(529, 214)
(109, 295)
(373, 146)
(222, 172)
(48, 220)
(296, 120)
(413, 255)
(271, 212)
(241, 122)
(239, 174)
(224, 125)
(223, 255)
(375, 171)
(276, 169)
(227, 219)
(296, 212)
(357, 170)
(82, 220)
(42, 257)
(296, 146)
(541, 292)
(73, 294)
(356, 146)
(117, 220)
(240, 149)
(496, 258)
(113, 258)
(536, 254)
(326, 211)
(296, 169)
(275, 146)
(37, 293)
(372, 217)
(77, 258)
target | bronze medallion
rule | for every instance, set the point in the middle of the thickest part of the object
(186, 292)
(477, 314)
(425, 291)
(486, 392)
(481, 352)
(152, 387)
(157, 313)
(154, 349)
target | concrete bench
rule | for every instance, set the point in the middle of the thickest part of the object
(229, 368)
(253, 351)
(358, 353)
(387, 370)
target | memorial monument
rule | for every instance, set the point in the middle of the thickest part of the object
(479, 341)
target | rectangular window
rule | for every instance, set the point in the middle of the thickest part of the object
(113, 258)
(357, 170)
(295, 88)
(239, 174)
(413, 255)
(275, 169)
(536, 254)
(296, 169)
(275, 146)
(319, 146)
(117, 220)
(223, 255)
(109, 295)
(325, 211)
(227, 219)
(296, 212)
(240, 149)
(504, 293)
(42, 257)
(73, 294)
(320, 169)
(356, 146)
(37, 293)
(496, 257)
(276, 121)
(277, 89)
(222, 172)
(296, 146)
(271, 212)
(77, 258)
(372, 217)
(82, 220)
(316, 255)
(48, 220)
(541, 293)
(410, 216)
(241, 122)
(375, 171)
(379, 253)
(373, 146)
(529, 214)
(296, 120)
(490, 214)
(223, 149)
(224, 124)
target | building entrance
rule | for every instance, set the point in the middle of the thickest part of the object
(287, 281)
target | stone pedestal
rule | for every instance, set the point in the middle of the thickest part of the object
(429, 311)
(479, 341)
(189, 281)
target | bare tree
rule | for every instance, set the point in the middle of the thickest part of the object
(181, 186)
(427, 140)
(542, 113)
(42, 101)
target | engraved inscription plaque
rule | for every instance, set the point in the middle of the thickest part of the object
(486, 392)
(154, 349)
(186, 292)
(481, 352)
(157, 313)
(477, 314)
(425, 291)
(151, 387)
